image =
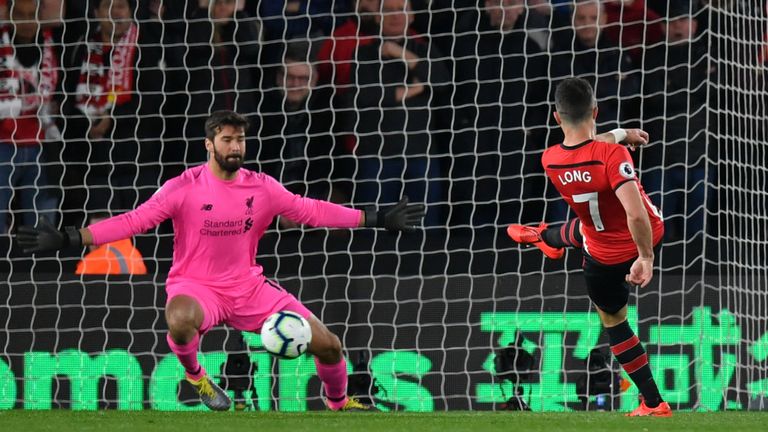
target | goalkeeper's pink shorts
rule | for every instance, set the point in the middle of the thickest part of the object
(243, 309)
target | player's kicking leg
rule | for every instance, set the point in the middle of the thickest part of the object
(552, 241)
(332, 369)
(184, 316)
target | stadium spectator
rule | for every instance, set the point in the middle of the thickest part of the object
(160, 21)
(539, 19)
(51, 13)
(117, 257)
(335, 58)
(296, 145)
(439, 19)
(675, 102)
(337, 53)
(286, 20)
(29, 77)
(584, 51)
(500, 99)
(632, 25)
(449, 18)
(222, 62)
(112, 118)
(397, 76)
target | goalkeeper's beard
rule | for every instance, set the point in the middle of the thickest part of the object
(230, 163)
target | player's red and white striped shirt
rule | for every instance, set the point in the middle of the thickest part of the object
(587, 176)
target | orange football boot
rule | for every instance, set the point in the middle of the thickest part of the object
(528, 235)
(663, 410)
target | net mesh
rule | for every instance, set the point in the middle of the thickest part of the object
(448, 104)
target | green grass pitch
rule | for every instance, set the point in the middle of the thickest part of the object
(102, 421)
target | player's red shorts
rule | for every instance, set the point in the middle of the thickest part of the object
(241, 308)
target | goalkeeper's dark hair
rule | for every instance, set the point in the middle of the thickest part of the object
(574, 100)
(222, 118)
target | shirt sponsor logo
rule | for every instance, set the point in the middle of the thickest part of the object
(213, 228)
(248, 225)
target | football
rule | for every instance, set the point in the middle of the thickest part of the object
(286, 334)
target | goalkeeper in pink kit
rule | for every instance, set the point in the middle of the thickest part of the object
(219, 212)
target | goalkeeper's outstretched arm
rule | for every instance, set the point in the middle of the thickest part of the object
(47, 238)
(400, 217)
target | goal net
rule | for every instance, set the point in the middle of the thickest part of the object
(361, 103)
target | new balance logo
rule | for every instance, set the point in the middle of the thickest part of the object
(207, 207)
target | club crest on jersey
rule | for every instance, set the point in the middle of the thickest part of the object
(627, 170)
(249, 205)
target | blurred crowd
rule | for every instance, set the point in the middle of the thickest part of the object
(447, 101)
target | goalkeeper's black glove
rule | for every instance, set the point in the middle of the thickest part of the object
(400, 217)
(45, 237)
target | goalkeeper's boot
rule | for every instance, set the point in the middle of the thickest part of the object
(354, 404)
(213, 396)
(663, 410)
(528, 235)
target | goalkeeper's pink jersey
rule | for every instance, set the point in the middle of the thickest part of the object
(218, 223)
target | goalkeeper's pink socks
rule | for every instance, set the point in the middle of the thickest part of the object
(187, 355)
(334, 378)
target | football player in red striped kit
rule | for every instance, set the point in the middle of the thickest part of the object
(618, 228)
